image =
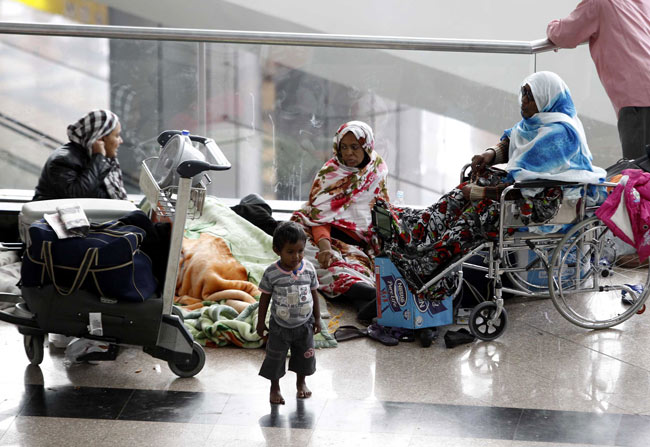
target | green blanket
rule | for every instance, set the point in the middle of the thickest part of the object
(252, 247)
(221, 325)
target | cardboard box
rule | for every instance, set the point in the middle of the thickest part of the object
(398, 307)
(538, 275)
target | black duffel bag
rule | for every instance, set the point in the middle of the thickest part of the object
(107, 262)
(642, 163)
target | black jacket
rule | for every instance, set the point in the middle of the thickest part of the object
(70, 172)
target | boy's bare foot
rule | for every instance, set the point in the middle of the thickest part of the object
(303, 391)
(276, 395)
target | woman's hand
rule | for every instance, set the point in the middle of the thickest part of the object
(99, 147)
(325, 255)
(325, 258)
(481, 161)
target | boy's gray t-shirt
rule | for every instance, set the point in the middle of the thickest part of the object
(291, 300)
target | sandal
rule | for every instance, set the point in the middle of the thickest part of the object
(349, 332)
(402, 334)
(381, 334)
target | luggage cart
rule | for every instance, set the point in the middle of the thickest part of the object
(151, 324)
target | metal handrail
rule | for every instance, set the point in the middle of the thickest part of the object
(266, 38)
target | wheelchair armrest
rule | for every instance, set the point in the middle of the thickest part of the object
(464, 173)
(542, 183)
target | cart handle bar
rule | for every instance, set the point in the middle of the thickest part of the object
(190, 168)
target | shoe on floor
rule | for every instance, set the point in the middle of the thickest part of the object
(382, 335)
(349, 332)
(426, 336)
(459, 337)
(627, 298)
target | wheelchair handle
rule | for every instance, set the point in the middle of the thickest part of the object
(544, 183)
(464, 177)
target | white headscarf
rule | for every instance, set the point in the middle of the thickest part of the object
(551, 144)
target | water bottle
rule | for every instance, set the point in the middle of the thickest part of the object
(186, 143)
(399, 199)
(185, 136)
(190, 152)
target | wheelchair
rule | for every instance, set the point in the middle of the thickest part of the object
(593, 279)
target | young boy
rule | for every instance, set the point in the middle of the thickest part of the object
(289, 285)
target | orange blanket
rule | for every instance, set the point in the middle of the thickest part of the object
(209, 272)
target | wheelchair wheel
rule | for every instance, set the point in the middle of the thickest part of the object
(589, 284)
(480, 323)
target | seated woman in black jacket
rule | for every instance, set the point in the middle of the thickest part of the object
(86, 166)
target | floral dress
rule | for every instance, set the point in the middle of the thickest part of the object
(429, 239)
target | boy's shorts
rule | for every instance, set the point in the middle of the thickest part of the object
(301, 342)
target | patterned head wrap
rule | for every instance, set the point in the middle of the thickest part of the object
(361, 131)
(95, 125)
(551, 144)
(343, 196)
(90, 128)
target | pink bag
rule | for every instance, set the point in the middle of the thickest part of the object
(627, 211)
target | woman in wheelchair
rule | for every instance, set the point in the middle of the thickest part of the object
(548, 143)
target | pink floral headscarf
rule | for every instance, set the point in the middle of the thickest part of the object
(343, 196)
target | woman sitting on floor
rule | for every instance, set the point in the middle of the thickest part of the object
(337, 218)
(548, 143)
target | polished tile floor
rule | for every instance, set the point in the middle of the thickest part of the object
(542, 383)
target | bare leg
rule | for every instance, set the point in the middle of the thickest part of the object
(276, 396)
(301, 386)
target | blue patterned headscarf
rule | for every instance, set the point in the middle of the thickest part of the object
(550, 144)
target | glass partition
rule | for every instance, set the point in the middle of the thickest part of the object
(273, 110)
(44, 85)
